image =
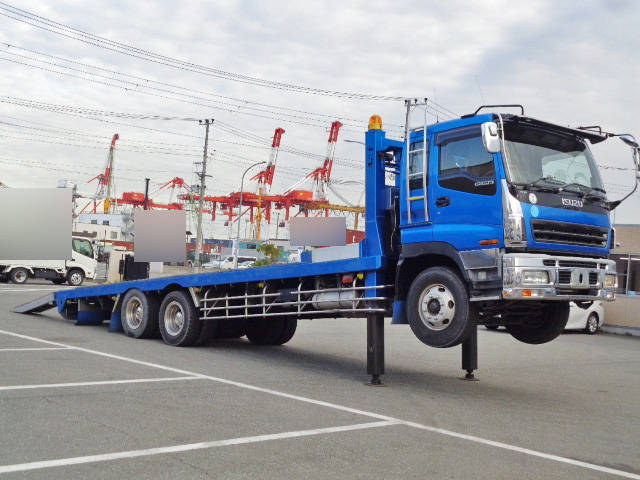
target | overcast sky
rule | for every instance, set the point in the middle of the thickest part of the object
(574, 63)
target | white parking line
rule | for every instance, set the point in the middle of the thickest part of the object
(21, 467)
(31, 289)
(103, 382)
(32, 349)
(450, 433)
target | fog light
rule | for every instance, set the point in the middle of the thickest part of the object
(611, 281)
(535, 276)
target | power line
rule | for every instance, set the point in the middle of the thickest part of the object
(240, 103)
(52, 26)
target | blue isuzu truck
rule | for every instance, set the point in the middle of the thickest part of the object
(489, 219)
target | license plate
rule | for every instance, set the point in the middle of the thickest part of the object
(580, 278)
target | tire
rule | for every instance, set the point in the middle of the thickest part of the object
(75, 277)
(492, 327)
(19, 276)
(438, 308)
(543, 329)
(289, 330)
(207, 331)
(230, 329)
(139, 314)
(179, 322)
(271, 331)
(592, 323)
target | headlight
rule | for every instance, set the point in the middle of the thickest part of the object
(611, 281)
(515, 233)
(535, 276)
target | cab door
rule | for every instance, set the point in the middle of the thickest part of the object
(465, 194)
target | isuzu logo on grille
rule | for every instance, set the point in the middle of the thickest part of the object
(572, 202)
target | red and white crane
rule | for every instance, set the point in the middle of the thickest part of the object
(265, 179)
(106, 188)
(321, 175)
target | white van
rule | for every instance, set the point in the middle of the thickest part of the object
(82, 265)
(243, 262)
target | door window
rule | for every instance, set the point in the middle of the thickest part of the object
(416, 164)
(466, 166)
(83, 247)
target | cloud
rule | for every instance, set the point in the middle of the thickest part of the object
(573, 65)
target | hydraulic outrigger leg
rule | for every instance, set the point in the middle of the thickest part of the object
(470, 354)
(375, 348)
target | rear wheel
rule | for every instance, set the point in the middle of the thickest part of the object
(271, 331)
(19, 275)
(230, 329)
(179, 323)
(438, 308)
(542, 328)
(592, 323)
(207, 332)
(139, 314)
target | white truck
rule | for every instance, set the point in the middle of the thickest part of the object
(82, 265)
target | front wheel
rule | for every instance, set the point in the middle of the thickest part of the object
(542, 328)
(592, 323)
(75, 277)
(438, 308)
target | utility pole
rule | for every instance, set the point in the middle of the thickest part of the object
(146, 194)
(203, 177)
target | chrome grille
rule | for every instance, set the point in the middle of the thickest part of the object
(569, 233)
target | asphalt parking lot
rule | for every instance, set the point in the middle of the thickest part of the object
(80, 402)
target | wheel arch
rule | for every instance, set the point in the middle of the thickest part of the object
(416, 257)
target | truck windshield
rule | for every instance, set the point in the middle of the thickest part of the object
(544, 159)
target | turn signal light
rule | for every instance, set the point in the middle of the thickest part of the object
(526, 293)
(493, 241)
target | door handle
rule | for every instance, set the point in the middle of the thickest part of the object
(443, 201)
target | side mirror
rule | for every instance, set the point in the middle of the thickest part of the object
(490, 137)
(635, 148)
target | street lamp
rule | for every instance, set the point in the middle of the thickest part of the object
(235, 258)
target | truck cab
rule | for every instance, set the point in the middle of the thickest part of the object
(512, 207)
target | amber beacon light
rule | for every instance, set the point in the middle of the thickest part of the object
(375, 122)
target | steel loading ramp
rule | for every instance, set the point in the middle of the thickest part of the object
(38, 305)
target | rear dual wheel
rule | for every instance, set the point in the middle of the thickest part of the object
(271, 331)
(139, 314)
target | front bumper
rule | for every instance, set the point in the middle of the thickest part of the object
(570, 278)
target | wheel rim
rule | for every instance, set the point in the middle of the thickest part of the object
(76, 278)
(437, 307)
(134, 313)
(592, 323)
(174, 318)
(20, 276)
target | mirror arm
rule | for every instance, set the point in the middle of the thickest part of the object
(615, 203)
